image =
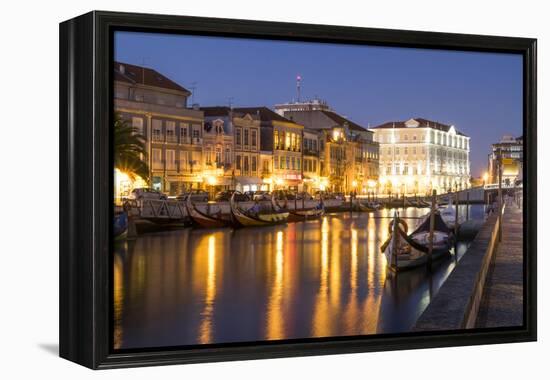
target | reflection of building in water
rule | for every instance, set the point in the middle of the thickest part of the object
(419, 155)
(511, 150)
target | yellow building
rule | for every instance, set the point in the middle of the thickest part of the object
(157, 107)
(419, 155)
(283, 138)
(348, 154)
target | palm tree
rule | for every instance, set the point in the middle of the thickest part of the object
(129, 150)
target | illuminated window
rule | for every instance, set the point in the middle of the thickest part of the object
(276, 139)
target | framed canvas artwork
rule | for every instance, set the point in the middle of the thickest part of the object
(237, 189)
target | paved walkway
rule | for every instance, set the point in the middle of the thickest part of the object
(502, 301)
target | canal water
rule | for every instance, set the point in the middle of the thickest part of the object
(318, 278)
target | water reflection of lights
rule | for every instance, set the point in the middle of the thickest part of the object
(205, 329)
(312, 279)
(275, 323)
(118, 299)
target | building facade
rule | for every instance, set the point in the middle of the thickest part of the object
(510, 150)
(420, 155)
(348, 154)
(311, 167)
(283, 138)
(157, 107)
(241, 159)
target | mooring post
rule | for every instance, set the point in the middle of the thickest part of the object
(303, 199)
(432, 226)
(403, 200)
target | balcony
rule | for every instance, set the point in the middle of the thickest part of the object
(196, 141)
(172, 139)
(158, 138)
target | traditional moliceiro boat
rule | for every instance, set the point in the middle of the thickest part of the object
(405, 251)
(307, 213)
(206, 220)
(255, 216)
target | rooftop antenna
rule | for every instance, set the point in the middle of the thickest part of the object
(193, 87)
(143, 59)
(298, 83)
(230, 102)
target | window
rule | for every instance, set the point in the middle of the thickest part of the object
(238, 136)
(171, 131)
(406, 150)
(184, 132)
(265, 165)
(298, 143)
(282, 163)
(157, 130)
(170, 159)
(298, 164)
(253, 163)
(245, 165)
(287, 140)
(184, 161)
(227, 158)
(276, 139)
(238, 162)
(293, 163)
(219, 155)
(275, 162)
(208, 154)
(196, 133)
(253, 137)
(288, 162)
(137, 123)
(246, 137)
(157, 159)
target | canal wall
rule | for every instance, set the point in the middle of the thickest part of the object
(456, 305)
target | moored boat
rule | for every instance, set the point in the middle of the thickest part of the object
(120, 225)
(406, 251)
(256, 217)
(206, 220)
(307, 213)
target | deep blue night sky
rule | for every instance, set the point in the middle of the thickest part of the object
(479, 93)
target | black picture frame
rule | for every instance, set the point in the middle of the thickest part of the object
(86, 59)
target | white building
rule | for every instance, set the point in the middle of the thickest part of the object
(419, 155)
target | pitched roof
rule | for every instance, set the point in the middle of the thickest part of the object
(340, 120)
(422, 123)
(264, 113)
(134, 74)
(216, 111)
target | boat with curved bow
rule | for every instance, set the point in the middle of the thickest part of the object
(256, 216)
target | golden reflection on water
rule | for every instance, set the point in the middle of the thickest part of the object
(311, 279)
(275, 322)
(205, 329)
(118, 290)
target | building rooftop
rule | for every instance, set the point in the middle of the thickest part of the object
(264, 113)
(418, 122)
(134, 74)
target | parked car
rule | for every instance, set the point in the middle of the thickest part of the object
(225, 196)
(196, 196)
(146, 193)
(284, 194)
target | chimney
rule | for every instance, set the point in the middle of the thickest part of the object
(122, 69)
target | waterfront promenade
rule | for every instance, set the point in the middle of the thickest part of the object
(502, 301)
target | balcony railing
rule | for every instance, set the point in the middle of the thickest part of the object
(158, 138)
(172, 139)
